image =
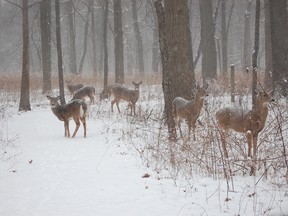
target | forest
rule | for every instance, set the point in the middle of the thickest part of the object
(197, 88)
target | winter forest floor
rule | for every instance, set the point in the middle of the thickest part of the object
(124, 166)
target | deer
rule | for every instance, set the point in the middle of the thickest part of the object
(85, 91)
(75, 109)
(248, 122)
(107, 91)
(73, 88)
(189, 110)
(129, 95)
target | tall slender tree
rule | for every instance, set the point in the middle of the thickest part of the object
(93, 37)
(45, 20)
(268, 82)
(118, 38)
(138, 37)
(25, 83)
(105, 46)
(247, 36)
(59, 52)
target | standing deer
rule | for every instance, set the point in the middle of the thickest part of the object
(73, 88)
(249, 122)
(85, 91)
(189, 110)
(75, 110)
(129, 95)
(107, 91)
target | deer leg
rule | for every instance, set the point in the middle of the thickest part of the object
(117, 104)
(91, 100)
(112, 104)
(67, 132)
(193, 128)
(223, 141)
(84, 125)
(255, 137)
(77, 122)
(249, 140)
(179, 126)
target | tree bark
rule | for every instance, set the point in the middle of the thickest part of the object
(85, 41)
(93, 37)
(25, 91)
(224, 38)
(208, 47)
(105, 46)
(118, 52)
(279, 41)
(45, 20)
(59, 51)
(247, 37)
(138, 38)
(71, 38)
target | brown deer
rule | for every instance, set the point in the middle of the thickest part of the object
(73, 88)
(107, 91)
(75, 109)
(85, 91)
(129, 95)
(189, 110)
(249, 122)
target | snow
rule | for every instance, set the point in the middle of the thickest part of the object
(44, 173)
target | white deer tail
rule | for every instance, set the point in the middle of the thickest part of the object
(83, 110)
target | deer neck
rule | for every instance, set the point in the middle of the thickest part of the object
(57, 110)
(198, 103)
(262, 110)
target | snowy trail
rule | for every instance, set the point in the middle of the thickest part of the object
(98, 175)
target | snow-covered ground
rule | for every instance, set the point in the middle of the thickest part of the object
(44, 173)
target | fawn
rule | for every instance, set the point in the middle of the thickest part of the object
(107, 91)
(75, 110)
(73, 88)
(189, 110)
(129, 95)
(249, 122)
(85, 91)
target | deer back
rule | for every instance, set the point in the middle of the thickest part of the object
(83, 92)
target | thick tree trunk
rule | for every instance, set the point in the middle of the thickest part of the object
(224, 38)
(25, 92)
(119, 55)
(208, 47)
(45, 20)
(166, 80)
(59, 51)
(93, 37)
(279, 41)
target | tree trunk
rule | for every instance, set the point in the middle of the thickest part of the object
(208, 47)
(85, 41)
(255, 53)
(138, 38)
(119, 55)
(268, 82)
(224, 38)
(166, 80)
(45, 20)
(105, 46)
(25, 92)
(71, 38)
(93, 37)
(179, 42)
(247, 37)
(59, 51)
(279, 42)
(155, 43)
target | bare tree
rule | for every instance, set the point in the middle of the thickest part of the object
(93, 37)
(71, 38)
(59, 52)
(85, 40)
(279, 42)
(247, 37)
(105, 47)
(45, 20)
(208, 47)
(25, 92)
(268, 82)
(138, 38)
(118, 38)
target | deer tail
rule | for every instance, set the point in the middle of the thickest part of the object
(83, 109)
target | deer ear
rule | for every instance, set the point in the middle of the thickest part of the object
(133, 83)
(256, 91)
(206, 86)
(58, 98)
(48, 97)
(197, 86)
(269, 91)
(140, 82)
